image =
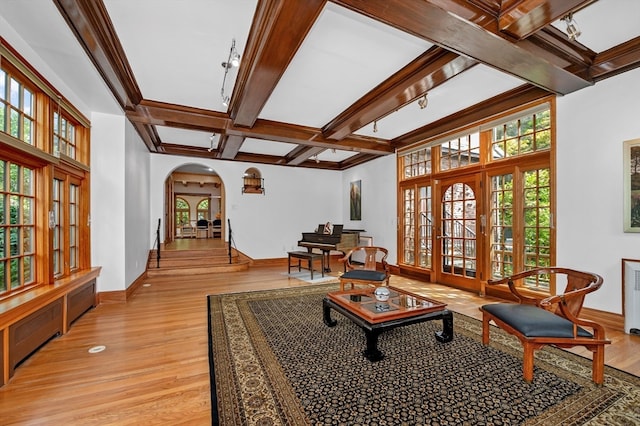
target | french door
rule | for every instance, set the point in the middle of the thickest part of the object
(458, 232)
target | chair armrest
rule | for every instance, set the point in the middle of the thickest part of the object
(514, 290)
(562, 300)
(346, 257)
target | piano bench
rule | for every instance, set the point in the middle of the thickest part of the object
(309, 257)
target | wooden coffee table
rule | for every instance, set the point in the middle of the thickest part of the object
(374, 317)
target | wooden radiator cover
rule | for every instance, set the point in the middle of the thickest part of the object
(31, 332)
(80, 301)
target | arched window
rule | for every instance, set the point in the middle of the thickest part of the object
(203, 209)
(182, 212)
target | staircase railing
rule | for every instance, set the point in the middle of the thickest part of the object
(157, 245)
(230, 239)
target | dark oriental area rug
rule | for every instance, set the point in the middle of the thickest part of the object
(274, 362)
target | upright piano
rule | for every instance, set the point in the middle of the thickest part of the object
(338, 240)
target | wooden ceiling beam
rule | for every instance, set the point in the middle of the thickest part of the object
(311, 136)
(356, 160)
(187, 151)
(427, 71)
(621, 58)
(229, 146)
(301, 154)
(462, 27)
(521, 18)
(91, 24)
(481, 111)
(152, 113)
(277, 31)
(148, 135)
(165, 114)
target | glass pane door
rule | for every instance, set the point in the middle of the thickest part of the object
(458, 233)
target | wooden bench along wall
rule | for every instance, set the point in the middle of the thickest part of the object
(31, 319)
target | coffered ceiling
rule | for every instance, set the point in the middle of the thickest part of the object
(315, 75)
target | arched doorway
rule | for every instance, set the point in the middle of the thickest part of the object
(194, 194)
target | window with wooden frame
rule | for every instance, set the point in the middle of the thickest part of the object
(17, 227)
(66, 229)
(64, 135)
(57, 228)
(203, 209)
(182, 212)
(512, 155)
(74, 209)
(460, 152)
(43, 198)
(17, 106)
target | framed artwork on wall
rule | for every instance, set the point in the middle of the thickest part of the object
(631, 185)
(355, 201)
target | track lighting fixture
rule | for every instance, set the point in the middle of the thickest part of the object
(233, 61)
(234, 57)
(573, 32)
(423, 101)
(375, 126)
(211, 138)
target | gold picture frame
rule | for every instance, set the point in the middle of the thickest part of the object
(631, 185)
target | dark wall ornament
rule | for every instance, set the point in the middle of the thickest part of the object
(355, 200)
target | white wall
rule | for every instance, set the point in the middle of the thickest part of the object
(592, 125)
(379, 205)
(266, 226)
(108, 200)
(136, 215)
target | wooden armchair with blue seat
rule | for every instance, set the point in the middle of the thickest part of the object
(552, 320)
(365, 265)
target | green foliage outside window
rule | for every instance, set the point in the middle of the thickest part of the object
(16, 257)
(182, 212)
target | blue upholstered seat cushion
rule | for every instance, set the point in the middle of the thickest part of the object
(360, 274)
(532, 321)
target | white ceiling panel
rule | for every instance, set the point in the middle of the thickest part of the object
(335, 155)
(259, 146)
(174, 135)
(344, 56)
(622, 23)
(178, 56)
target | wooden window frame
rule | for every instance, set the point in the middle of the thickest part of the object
(40, 157)
(485, 168)
(206, 212)
(13, 74)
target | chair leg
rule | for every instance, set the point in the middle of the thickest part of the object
(485, 329)
(527, 363)
(598, 365)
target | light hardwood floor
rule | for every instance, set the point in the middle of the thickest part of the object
(154, 370)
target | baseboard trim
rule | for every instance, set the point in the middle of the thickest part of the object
(607, 319)
(121, 296)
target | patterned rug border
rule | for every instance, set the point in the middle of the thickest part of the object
(616, 402)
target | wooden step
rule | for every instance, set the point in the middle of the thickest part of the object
(173, 254)
(198, 270)
(195, 262)
(177, 262)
